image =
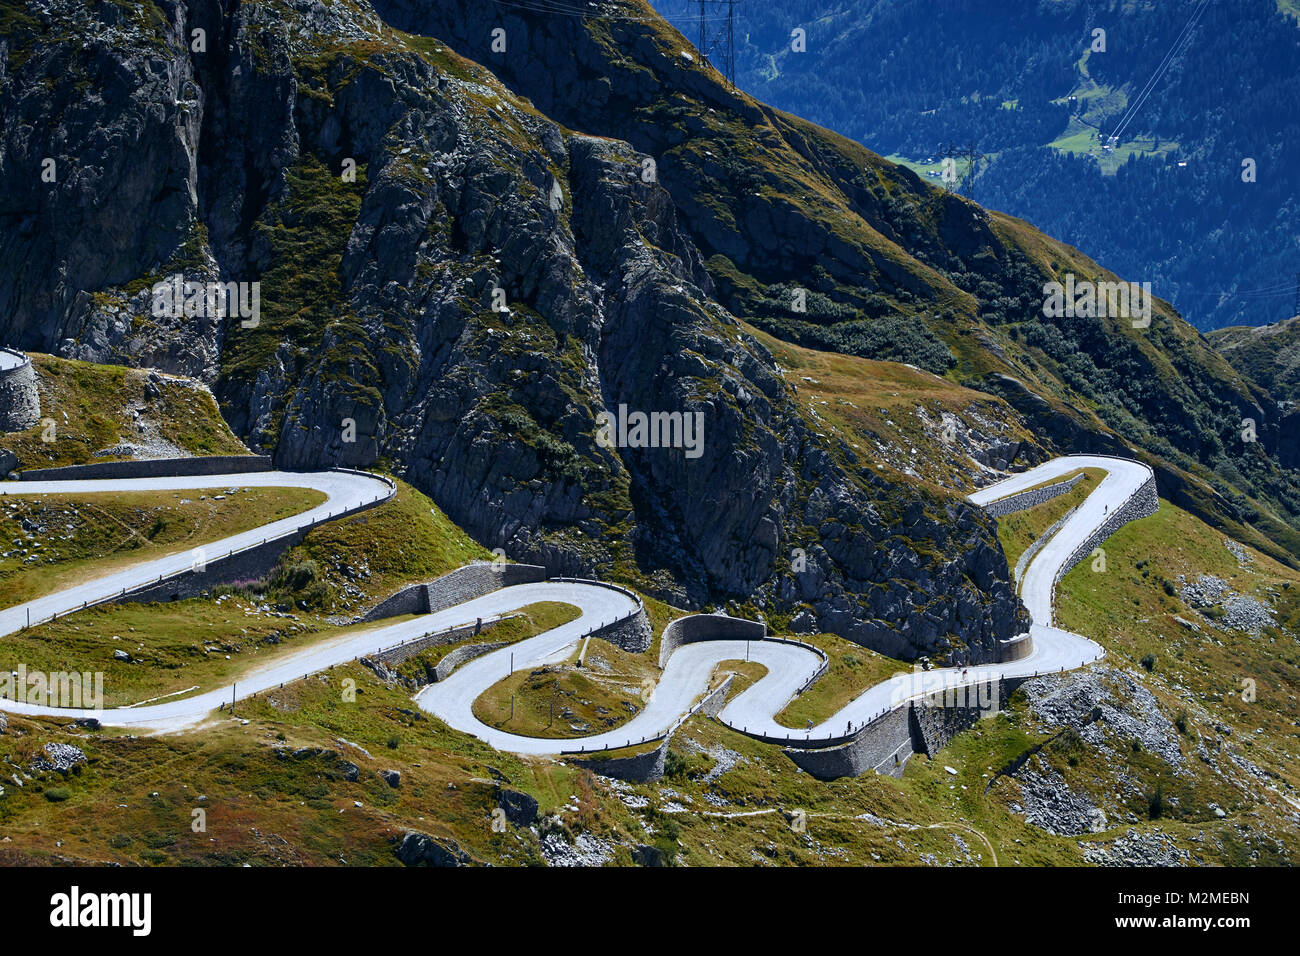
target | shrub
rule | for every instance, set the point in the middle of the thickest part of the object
(57, 794)
(1156, 802)
(675, 765)
(317, 595)
(295, 576)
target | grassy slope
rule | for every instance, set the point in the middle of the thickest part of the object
(1128, 608)
(604, 692)
(89, 536)
(262, 809)
(339, 569)
(1268, 354)
(90, 404)
(872, 406)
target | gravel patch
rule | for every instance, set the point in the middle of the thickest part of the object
(1137, 848)
(586, 850)
(1048, 803)
(1128, 711)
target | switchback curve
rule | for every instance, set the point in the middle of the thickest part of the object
(687, 672)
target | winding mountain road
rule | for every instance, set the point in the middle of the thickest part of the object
(684, 680)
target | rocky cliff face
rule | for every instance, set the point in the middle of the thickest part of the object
(452, 283)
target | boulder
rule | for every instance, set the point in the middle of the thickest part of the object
(420, 849)
(647, 855)
(520, 809)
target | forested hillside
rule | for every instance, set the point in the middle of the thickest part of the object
(1168, 204)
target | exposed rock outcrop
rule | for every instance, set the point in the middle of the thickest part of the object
(420, 849)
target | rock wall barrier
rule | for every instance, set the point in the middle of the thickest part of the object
(1038, 545)
(875, 745)
(707, 627)
(463, 655)
(1144, 503)
(20, 397)
(456, 587)
(1016, 648)
(632, 632)
(638, 768)
(886, 743)
(153, 468)
(1031, 498)
(399, 653)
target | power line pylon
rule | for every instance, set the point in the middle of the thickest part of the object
(718, 36)
(973, 160)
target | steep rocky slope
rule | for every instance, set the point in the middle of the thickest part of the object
(893, 268)
(379, 309)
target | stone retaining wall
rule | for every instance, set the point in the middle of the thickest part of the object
(1032, 498)
(875, 745)
(392, 656)
(934, 726)
(413, 599)
(716, 698)
(886, 744)
(462, 655)
(936, 720)
(251, 564)
(475, 580)
(20, 397)
(1144, 503)
(640, 768)
(455, 587)
(707, 627)
(1038, 545)
(153, 468)
(632, 634)
(1016, 648)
